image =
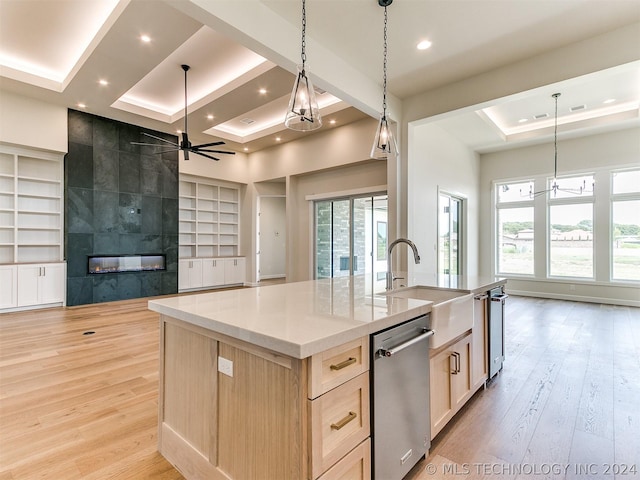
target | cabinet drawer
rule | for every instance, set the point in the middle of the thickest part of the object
(339, 421)
(335, 366)
(356, 465)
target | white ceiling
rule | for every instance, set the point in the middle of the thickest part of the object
(58, 50)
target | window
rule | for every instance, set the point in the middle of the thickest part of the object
(571, 240)
(587, 228)
(625, 225)
(571, 227)
(515, 233)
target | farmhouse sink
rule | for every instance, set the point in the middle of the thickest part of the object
(451, 312)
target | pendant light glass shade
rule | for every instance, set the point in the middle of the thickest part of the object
(384, 145)
(303, 113)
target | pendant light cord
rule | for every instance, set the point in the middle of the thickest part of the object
(384, 67)
(185, 98)
(555, 140)
(303, 54)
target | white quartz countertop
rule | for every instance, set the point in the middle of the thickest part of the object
(296, 319)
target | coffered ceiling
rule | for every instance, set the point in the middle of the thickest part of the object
(92, 55)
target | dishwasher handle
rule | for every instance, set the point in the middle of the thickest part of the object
(499, 298)
(383, 352)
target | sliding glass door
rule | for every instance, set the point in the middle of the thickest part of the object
(351, 237)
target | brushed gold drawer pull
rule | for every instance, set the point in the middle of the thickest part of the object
(344, 421)
(341, 365)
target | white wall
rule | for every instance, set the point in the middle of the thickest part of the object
(595, 153)
(437, 160)
(300, 210)
(333, 161)
(31, 123)
(273, 235)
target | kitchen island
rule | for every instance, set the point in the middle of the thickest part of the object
(273, 382)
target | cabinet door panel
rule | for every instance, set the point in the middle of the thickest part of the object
(479, 362)
(189, 274)
(8, 280)
(440, 390)
(51, 284)
(212, 272)
(233, 271)
(28, 285)
(461, 381)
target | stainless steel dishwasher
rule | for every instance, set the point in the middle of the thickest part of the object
(400, 397)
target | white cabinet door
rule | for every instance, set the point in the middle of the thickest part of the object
(212, 272)
(234, 271)
(40, 284)
(189, 274)
(28, 276)
(51, 283)
(8, 292)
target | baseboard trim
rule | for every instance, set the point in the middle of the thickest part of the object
(576, 298)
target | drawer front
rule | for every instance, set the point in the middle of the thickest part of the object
(356, 465)
(335, 366)
(339, 422)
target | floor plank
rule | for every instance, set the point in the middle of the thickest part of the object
(75, 406)
(565, 405)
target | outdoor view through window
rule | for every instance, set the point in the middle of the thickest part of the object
(571, 247)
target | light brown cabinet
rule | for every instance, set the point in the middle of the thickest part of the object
(480, 366)
(230, 409)
(459, 368)
(451, 380)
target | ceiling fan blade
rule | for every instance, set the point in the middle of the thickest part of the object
(202, 154)
(158, 138)
(198, 150)
(146, 144)
(213, 144)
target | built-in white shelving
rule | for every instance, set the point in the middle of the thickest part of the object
(31, 206)
(208, 219)
(32, 270)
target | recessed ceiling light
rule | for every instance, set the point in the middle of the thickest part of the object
(332, 122)
(210, 117)
(423, 45)
(82, 105)
(103, 82)
(262, 91)
(145, 38)
(278, 139)
(522, 120)
(246, 149)
(609, 100)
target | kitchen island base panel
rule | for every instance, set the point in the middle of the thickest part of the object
(210, 424)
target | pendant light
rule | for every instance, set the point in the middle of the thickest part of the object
(303, 113)
(384, 144)
(555, 187)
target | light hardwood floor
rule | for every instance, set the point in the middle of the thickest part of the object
(85, 406)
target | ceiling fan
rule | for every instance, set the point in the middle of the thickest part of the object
(185, 144)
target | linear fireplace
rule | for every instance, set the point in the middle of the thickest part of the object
(126, 263)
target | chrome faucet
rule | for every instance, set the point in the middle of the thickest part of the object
(416, 258)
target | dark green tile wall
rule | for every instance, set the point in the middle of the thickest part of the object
(119, 199)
